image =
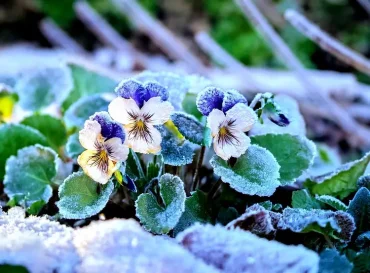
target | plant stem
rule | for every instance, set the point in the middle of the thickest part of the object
(214, 188)
(330, 243)
(199, 165)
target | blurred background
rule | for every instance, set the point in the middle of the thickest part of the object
(214, 38)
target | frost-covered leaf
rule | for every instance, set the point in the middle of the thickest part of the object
(332, 262)
(175, 152)
(14, 137)
(363, 240)
(326, 160)
(266, 205)
(52, 128)
(36, 207)
(302, 199)
(82, 109)
(189, 127)
(177, 85)
(359, 208)
(80, 197)
(197, 209)
(360, 262)
(294, 154)
(338, 225)
(40, 88)
(364, 181)
(256, 219)
(158, 218)
(342, 181)
(290, 108)
(237, 251)
(87, 83)
(74, 147)
(120, 245)
(255, 172)
(29, 175)
(332, 202)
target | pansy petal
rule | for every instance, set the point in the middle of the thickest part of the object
(208, 99)
(243, 116)
(150, 145)
(117, 151)
(158, 111)
(89, 134)
(233, 149)
(232, 97)
(120, 108)
(93, 171)
(214, 120)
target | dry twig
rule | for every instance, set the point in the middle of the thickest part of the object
(327, 42)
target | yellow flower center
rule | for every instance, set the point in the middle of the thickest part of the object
(223, 131)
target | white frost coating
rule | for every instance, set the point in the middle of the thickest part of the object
(289, 107)
(117, 246)
(36, 243)
(242, 252)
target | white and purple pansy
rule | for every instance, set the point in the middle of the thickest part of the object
(104, 141)
(228, 117)
(139, 108)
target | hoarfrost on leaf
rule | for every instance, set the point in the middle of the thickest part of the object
(161, 219)
(189, 127)
(359, 208)
(237, 251)
(332, 262)
(302, 199)
(255, 172)
(74, 147)
(332, 202)
(79, 196)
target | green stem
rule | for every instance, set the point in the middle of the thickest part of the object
(330, 243)
(214, 188)
(199, 165)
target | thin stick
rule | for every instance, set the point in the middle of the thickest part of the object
(328, 43)
(160, 35)
(342, 118)
(365, 4)
(57, 37)
(105, 32)
(199, 165)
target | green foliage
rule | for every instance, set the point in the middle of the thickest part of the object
(294, 154)
(332, 202)
(52, 128)
(162, 217)
(255, 172)
(14, 137)
(303, 200)
(81, 197)
(74, 147)
(359, 208)
(30, 175)
(197, 209)
(86, 83)
(189, 106)
(332, 262)
(189, 127)
(36, 207)
(342, 181)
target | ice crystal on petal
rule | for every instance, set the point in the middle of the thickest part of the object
(208, 99)
(238, 251)
(231, 98)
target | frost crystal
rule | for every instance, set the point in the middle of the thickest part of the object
(238, 251)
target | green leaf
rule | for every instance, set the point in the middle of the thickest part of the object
(189, 106)
(197, 209)
(255, 172)
(340, 183)
(81, 110)
(226, 215)
(332, 202)
(81, 197)
(153, 170)
(160, 219)
(294, 154)
(36, 207)
(175, 152)
(60, 11)
(52, 128)
(326, 160)
(29, 175)
(40, 88)
(189, 127)
(14, 137)
(267, 205)
(332, 262)
(87, 83)
(7, 102)
(303, 200)
(7, 268)
(359, 208)
(74, 147)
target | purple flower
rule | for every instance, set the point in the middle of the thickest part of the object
(231, 98)
(109, 128)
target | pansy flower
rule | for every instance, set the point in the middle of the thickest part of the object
(104, 141)
(229, 118)
(140, 107)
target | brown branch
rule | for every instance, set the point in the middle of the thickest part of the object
(59, 38)
(160, 35)
(328, 43)
(346, 122)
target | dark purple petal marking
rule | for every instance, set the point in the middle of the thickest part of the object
(154, 89)
(132, 89)
(279, 119)
(109, 128)
(231, 98)
(208, 99)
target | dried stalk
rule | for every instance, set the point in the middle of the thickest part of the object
(160, 35)
(57, 37)
(365, 4)
(328, 43)
(346, 122)
(106, 33)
